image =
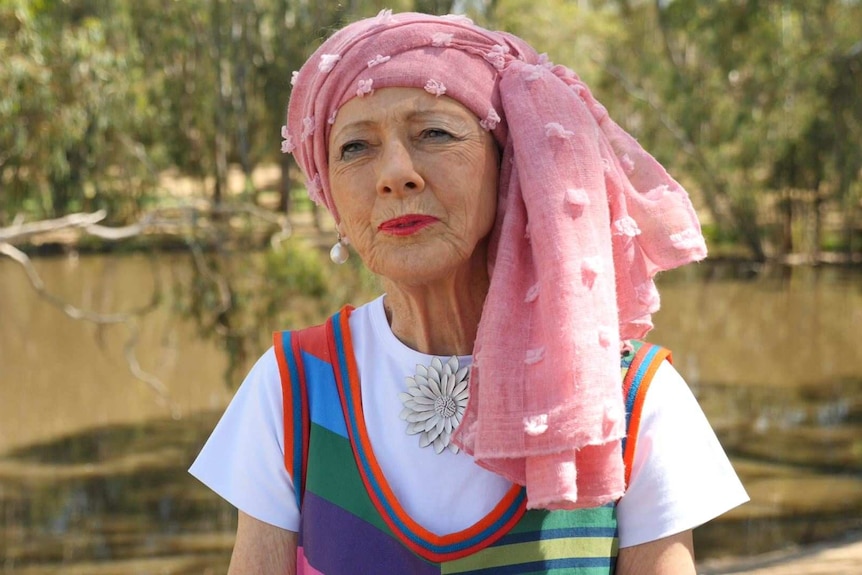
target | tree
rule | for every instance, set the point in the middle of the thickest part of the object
(752, 104)
(746, 101)
(74, 114)
(748, 86)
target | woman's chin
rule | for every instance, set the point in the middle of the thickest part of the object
(415, 265)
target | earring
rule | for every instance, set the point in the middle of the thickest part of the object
(339, 254)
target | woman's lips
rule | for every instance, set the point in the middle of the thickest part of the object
(406, 225)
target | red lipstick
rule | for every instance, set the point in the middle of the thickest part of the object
(406, 225)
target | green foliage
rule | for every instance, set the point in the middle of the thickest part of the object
(292, 270)
(742, 99)
(240, 299)
(73, 112)
(103, 96)
(571, 33)
(295, 271)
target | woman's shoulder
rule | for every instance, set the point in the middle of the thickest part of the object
(681, 476)
(264, 368)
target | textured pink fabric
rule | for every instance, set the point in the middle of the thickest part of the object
(585, 220)
(303, 567)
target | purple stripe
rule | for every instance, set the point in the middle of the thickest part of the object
(337, 542)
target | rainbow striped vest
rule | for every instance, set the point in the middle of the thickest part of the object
(351, 522)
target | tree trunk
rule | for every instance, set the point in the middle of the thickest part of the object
(220, 150)
(240, 57)
(817, 207)
(284, 198)
(785, 208)
(745, 221)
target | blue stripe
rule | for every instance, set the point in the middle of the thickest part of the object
(636, 383)
(363, 460)
(324, 405)
(545, 565)
(561, 533)
(296, 475)
(642, 369)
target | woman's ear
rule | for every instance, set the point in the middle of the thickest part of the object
(339, 229)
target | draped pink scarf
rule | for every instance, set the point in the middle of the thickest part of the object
(586, 218)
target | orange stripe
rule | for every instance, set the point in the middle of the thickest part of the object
(303, 391)
(505, 503)
(286, 400)
(637, 408)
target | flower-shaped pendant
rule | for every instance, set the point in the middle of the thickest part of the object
(435, 401)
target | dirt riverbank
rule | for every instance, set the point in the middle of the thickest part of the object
(843, 557)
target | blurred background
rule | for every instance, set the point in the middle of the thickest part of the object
(152, 236)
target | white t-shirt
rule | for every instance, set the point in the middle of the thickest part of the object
(680, 478)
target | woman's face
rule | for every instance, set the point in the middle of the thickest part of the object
(414, 179)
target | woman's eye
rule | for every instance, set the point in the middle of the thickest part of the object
(436, 134)
(351, 148)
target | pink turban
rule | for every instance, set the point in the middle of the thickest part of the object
(585, 220)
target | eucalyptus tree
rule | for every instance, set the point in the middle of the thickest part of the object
(754, 85)
(751, 103)
(74, 113)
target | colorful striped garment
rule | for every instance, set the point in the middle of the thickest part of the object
(351, 522)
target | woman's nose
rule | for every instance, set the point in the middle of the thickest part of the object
(398, 173)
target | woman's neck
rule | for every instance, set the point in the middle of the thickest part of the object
(438, 318)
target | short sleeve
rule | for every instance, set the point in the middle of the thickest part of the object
(681, 477)
(243, 459)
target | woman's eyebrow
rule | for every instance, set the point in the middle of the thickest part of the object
(352, 126)
(413, 116)
(426, 115)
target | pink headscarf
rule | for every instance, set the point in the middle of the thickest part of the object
(585, 220)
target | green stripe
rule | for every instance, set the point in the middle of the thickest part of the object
(536, 519)
(533, 551)
(332, 474)
(568, 571)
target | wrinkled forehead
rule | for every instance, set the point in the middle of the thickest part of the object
(441, 55)
(433, 72)
(397, 105)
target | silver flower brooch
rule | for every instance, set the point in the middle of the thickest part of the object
(435, 401)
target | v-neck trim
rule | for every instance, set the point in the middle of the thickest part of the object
(430, 546)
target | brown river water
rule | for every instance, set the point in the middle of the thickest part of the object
(92, 459)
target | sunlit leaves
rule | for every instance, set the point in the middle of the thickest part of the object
(742, 99)
(71, 113)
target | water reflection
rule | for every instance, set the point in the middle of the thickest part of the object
(771, 355)
(59, 375)
(114, 500)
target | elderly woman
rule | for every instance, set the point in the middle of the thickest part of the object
(489, 413)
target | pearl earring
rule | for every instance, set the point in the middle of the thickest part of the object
(339, 254)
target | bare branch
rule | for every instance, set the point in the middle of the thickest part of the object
(639, 94)
(20, 257)
(19, 231)
(77, 313)
(220, 282)
(72, 311)
(149, 379)
(170, 221)
(162, 221)
(120, 233)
